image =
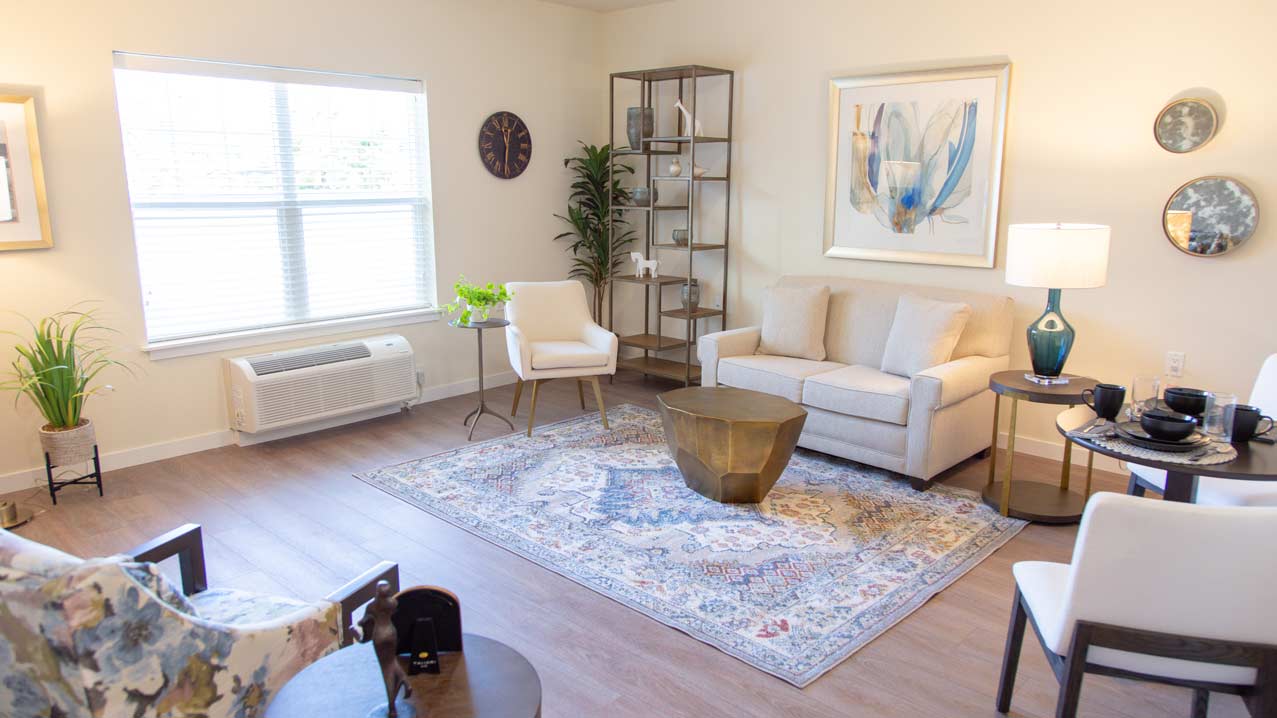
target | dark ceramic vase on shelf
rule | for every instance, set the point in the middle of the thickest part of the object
(1050, 340)
(640, 122)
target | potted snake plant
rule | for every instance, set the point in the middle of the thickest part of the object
(57, 366)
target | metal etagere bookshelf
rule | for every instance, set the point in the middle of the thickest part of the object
(655, 88)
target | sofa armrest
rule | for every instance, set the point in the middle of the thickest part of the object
(951, 382)
(720, 345)
(185, 542)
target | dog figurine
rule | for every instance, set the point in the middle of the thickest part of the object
(641, 264)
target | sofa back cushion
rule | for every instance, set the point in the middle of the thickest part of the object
(861, 313)
(794, 322)
(923, 334)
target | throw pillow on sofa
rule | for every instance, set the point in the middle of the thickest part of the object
(923, 334)
(794, 322)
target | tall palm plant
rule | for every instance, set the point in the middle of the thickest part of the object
(597, 248)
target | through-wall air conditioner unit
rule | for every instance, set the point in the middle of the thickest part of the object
(285, 393)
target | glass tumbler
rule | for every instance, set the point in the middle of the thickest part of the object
(1215, 420)
(1145, 391)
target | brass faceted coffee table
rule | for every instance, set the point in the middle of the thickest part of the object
(731, 444)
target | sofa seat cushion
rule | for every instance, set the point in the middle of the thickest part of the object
(566, 355)
(860, 391)
(781, 376)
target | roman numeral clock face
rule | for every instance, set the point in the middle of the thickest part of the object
(505, 145)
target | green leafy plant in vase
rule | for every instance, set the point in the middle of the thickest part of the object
(56, 368)
(474, 299)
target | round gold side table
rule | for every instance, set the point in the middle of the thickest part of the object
(1034, 500)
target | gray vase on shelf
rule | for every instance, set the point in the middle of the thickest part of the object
(640, 122)
(691, 295)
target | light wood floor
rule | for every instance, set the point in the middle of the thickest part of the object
(288, 517)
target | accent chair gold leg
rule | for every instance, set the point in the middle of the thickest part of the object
(598, 396)
(993, 446)
(580, 391)
(532, 410)
(1006, 482)
(518, 392)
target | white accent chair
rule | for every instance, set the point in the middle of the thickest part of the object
(1159, 591)
(551, 336)
(917, 426)
(1223, 492)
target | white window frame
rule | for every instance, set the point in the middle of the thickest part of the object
(222, 341)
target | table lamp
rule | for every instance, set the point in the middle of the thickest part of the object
(1054, 257)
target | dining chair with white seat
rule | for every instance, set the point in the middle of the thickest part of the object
(1159, 591)
(1215, 491)
(552, 336)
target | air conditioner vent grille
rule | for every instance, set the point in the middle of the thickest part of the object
(276, 363)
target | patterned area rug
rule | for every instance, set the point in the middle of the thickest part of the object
(834, 556)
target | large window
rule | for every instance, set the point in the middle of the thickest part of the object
(265, 197)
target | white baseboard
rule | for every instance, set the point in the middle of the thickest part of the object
(1055, 451)
(124, 458)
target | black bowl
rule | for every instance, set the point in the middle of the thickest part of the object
(1185, 400)
(1167, 425)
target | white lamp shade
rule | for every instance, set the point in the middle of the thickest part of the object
(1058, 256)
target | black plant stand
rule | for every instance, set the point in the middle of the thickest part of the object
(93, 477)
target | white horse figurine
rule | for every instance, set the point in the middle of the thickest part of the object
(641, 264)
(687, 119)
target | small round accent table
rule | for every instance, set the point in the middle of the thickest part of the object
(483, 407)
(1034, 500)
(487, 680)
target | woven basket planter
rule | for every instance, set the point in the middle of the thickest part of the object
(68, 446)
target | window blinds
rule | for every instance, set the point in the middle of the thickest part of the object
(267, 197)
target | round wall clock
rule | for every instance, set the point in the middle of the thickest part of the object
(505, 145)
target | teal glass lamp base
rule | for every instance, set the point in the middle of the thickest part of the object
(1050, 341)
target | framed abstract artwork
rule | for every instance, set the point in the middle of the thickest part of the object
(24, 207)
(915, 165)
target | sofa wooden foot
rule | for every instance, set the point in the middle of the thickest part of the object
(984, 454)
(919, 484)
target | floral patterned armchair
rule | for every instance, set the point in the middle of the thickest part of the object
(110, 637)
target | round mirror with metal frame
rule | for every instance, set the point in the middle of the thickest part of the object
(1210, 216)
(1185, 125)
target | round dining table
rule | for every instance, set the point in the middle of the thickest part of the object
(1256, 460)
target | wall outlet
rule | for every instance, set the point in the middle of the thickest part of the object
(1175, 364)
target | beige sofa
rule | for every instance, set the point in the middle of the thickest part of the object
(917, 427)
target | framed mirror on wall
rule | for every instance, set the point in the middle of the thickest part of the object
(1210, 216)
(24, 205)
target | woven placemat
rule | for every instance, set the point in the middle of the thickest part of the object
(1209, 455)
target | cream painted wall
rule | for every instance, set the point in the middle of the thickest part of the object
(475, 56)
(1088, 78)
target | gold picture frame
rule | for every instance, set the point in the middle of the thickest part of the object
(24, 201)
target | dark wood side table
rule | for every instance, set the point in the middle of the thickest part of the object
(488, 680)
(1034, 500)
(483, 406)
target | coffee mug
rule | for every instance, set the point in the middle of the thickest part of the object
(1105, 399)
(1245, 422)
